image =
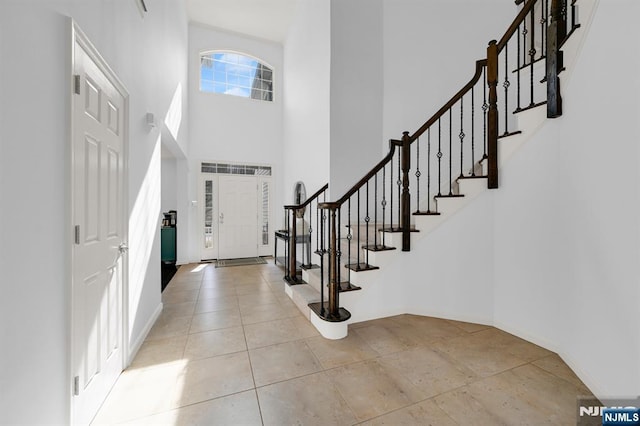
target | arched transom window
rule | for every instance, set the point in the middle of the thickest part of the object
(235, 74)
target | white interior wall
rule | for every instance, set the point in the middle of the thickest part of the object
(169, 193)
(307, 60)
(356, 91)
(567, 235)
(34, 180)
(232, 129)
(430, 49)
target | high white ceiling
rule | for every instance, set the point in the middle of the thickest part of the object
(266, 19)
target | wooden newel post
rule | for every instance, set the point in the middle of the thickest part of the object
(556, 32)
(334, 286)
(492, 116)
(293, 273)
(405, 205)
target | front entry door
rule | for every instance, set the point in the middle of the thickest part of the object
(98, 151)
(238, 217)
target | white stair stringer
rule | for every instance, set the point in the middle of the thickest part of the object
(528, 122)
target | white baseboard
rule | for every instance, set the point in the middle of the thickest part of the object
(135, 346)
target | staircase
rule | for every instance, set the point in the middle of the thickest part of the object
(433, 174)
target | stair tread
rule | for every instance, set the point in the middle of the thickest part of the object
(473, 177)
(309, 267)
(346, 286)
(292, 281)
(427, 213)
(391, 230)
(378, 247)
(359, 267)
(507, 134)
(531, 106)
(343, 314)
(449, 196)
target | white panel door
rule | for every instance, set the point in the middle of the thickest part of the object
(237, 217)
(98, 183)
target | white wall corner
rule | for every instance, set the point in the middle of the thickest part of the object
(135, 346)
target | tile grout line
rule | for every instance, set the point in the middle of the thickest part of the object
(253, 376)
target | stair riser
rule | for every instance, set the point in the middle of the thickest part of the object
(381, 258)
(362, 278)
(449, 206)
(312, 277)
(427, 224)
(472, 187)
(394, 239)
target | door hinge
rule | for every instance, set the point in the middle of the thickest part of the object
(76, 386)
(76, 232)
(76, 84)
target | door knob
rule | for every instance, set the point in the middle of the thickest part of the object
(221, 217)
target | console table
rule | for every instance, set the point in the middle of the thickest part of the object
(304, 239)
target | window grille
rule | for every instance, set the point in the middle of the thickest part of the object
(235, 74)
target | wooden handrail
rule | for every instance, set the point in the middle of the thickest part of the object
(309, 200)
(515, 24)
(479, 65)
(361, 182)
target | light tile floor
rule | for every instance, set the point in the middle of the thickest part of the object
(230, 348)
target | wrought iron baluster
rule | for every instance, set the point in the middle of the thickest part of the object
(375, 210)
(518, 108)
(461, 135)
(322, 269)
(384, 201)
(485, 108)
(399, 184)
(506, 85)
(358, 241)
(450, 150)
(532, 52)
(349, 236)
(429, 170)
(323, 218)
(525, 31)
(286, 247)
(367, 219)
(543, 29)
(317, 227)
(418, 175)
(339, 249)
(473, 131)
(310, 235)
(546, 28)
(439, 155)
(391, 194)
